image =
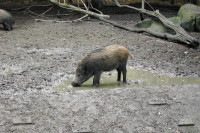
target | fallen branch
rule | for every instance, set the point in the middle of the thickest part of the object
(28, 10)
(46, 11)
(91, 6)
(181, 35)
(25, 7)
(61, 21)
(138, 30)
(84, 5)
(71, 7)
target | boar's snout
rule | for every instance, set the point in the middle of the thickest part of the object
(75, 84)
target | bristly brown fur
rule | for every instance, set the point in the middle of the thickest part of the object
(6, 19)
(100, 60)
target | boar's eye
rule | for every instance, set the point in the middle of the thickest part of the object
(78, 75)
(85, 69)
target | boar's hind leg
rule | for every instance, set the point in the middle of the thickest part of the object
(124, 74)
(96, 78)
(119, 74)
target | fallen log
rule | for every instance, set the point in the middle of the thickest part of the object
(71, 7)
(180, 34)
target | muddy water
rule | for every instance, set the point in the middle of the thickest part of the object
(135, 78)
(6, 69)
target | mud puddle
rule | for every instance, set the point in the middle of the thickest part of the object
(6, 69)
(135, 78)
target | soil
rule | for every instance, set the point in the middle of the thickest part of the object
(36, 56)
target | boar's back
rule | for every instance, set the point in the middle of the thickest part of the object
(107, 59)
(4, 15)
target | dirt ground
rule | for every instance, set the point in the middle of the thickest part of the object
(37, 55)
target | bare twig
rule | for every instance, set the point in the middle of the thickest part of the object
(28, 10)
(68, 6)
(95, 9)
(57, 15)
(18, 9)
(61, 21)
(84, 5)
(181, 35)
(81, 18)
(42, 5)
(25, 7)
(55, 21)
(148, 4)
(46, 11)
(138, 30)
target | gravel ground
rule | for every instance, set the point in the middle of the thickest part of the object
(37, 55)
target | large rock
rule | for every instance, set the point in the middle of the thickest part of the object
(198, 23)
(188, 11)
(188, 18)
(190, 15)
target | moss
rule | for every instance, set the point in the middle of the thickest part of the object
(188, 12)
(155, 26)
(198, 23)
(175, 20)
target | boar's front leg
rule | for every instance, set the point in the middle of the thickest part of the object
(7, 26)
(96, 79)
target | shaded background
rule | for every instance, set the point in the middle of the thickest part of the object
(18, 3)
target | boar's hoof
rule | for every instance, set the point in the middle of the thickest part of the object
(95, 85)
(75, 84)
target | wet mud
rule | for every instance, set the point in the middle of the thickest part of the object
(38, 61)
(136, 78)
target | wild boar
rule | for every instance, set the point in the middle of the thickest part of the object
(6, 19)
(106, 59)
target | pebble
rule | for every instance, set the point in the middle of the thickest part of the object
(157, 102)
(186, 122)
(22, 120)
(81, 129)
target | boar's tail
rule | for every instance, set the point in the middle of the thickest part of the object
(131, 55)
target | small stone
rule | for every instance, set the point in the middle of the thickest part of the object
(157, 102)
(186, 122)
(60, 130)
(117, 130)
(149, 129)
(22, 121)
(136, 82)
(101, 23)
(81, 129)
(2, 123)
(188, 129)
(31, 52)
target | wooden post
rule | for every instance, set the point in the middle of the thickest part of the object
(142, 4)
(141, 14)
